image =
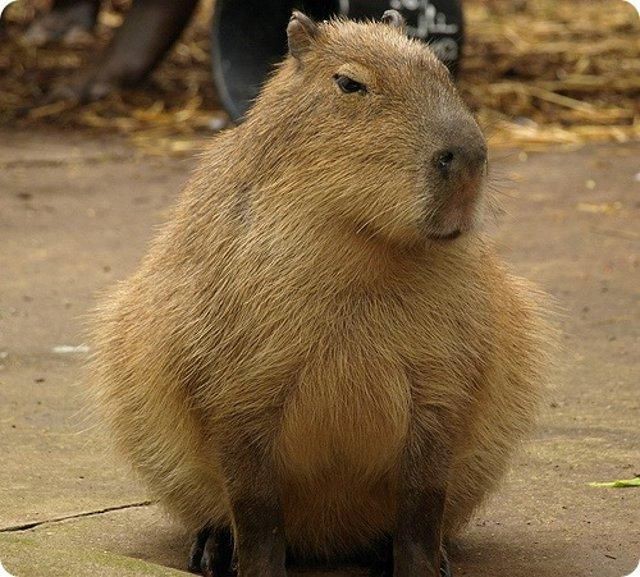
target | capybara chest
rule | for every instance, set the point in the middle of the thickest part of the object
(349, 409)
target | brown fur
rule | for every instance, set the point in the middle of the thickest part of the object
(295, 309)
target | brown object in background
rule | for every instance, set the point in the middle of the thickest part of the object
(65, 21)
(148, 31)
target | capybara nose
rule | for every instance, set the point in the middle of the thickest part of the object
(463, 161)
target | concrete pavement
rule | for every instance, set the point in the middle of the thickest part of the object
(76, 212)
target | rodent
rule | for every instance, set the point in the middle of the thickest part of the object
(321, 349)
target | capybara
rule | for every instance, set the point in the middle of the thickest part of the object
(321, 350)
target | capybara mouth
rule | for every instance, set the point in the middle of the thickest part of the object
(446, 237)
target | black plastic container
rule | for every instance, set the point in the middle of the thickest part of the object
(249, 36)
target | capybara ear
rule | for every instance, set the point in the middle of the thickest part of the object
(394, 19)
(300, 33)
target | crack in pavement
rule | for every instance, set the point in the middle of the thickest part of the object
(34, 524)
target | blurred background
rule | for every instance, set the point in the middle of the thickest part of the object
(536, 72)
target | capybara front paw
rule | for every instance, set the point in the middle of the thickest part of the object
(212, 552)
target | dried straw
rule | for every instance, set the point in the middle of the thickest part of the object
(536, 72)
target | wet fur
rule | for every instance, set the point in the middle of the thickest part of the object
(290, 308)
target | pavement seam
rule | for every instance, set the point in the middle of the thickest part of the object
(35, 524)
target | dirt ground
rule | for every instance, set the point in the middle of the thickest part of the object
(75, 215)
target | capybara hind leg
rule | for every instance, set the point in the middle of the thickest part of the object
(212, 552)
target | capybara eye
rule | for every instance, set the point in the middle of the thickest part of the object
(349, 85)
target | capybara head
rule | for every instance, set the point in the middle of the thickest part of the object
(369, 123)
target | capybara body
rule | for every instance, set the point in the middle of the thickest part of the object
(321, 337)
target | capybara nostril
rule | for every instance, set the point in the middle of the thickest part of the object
(444, 159)
(462, 161)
